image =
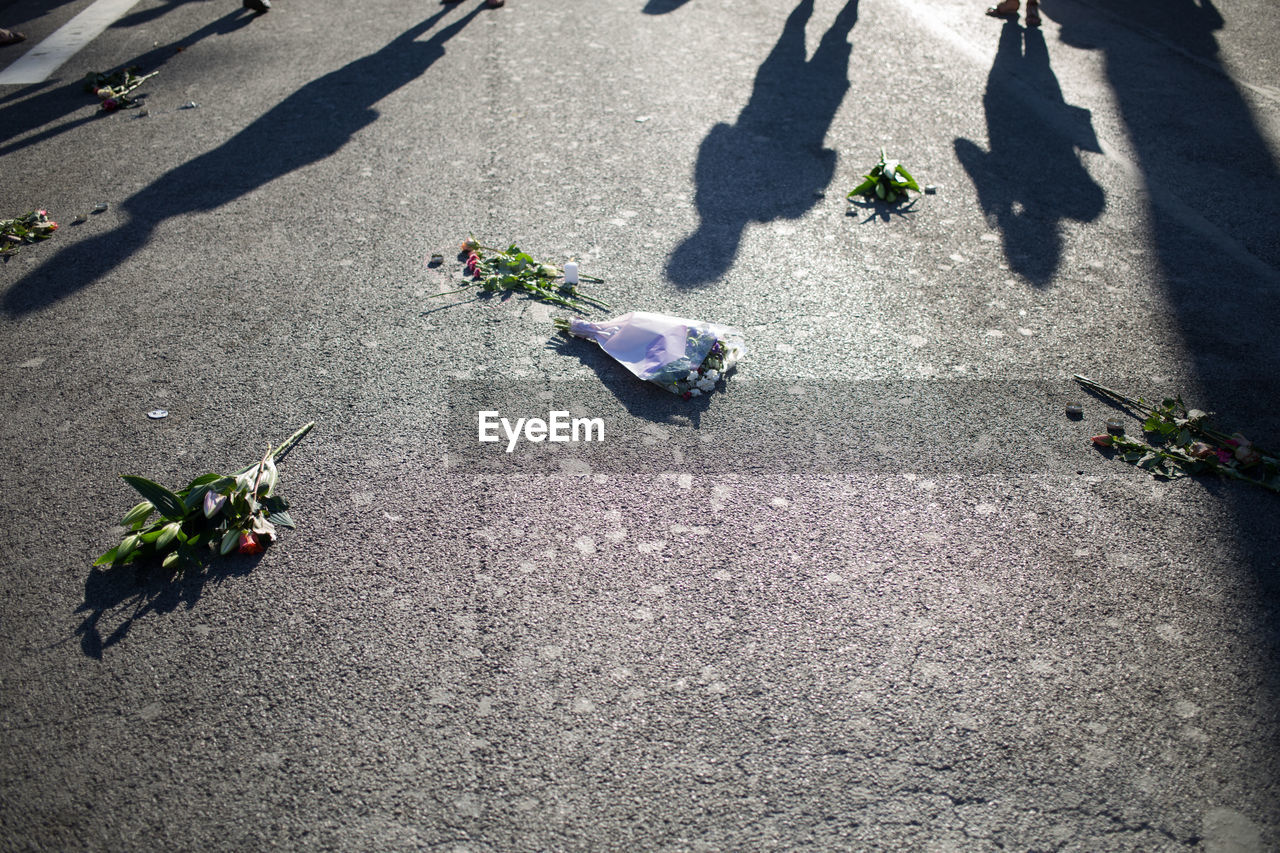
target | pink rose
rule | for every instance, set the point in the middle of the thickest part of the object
(1247, 456)
(249, 544)
(1200, 450)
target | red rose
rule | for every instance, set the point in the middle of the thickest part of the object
(249, 544)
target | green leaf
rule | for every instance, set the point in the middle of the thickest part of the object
(228, 542)
(911, 182)
(204, 480)
(169, 504)
(282, 519)
(1184, 438)
(138, 516)
(109, 557)
(275, 503)
(167, 534)
(861, 189)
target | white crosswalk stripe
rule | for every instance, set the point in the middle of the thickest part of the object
(39, 62)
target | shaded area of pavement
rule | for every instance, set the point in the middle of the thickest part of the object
(1031, 178)
(305, 128)
(771, 163)
(43, 110)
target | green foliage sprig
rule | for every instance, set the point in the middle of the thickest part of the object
(28, 228)
(512, 269)
(231, 512)
(888, 180)
(1182, 443)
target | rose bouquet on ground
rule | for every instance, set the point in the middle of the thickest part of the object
(512, 269)
(232, 512)
(887, 180)
(686, 357)
(30, 228)
(1182, 443)
(113, 89)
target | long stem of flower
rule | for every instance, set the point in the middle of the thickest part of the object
(1136, 405)
(448, 292)
(292, 440)
(284, 448)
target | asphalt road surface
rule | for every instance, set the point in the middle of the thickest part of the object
(876, 593)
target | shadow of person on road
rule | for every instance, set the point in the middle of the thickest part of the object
(131, 592)
(24, 116)
(1032, 178)
(771, 163)
(305, 128)
(662, 7)
(1212, 200)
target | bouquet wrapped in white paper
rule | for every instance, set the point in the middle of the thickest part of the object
(686, 357)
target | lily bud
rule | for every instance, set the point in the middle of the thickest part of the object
(213, 503)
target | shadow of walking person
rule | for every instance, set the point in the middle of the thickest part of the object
(306, 127)
(1032, 177)
(771, 163)
(662, 7)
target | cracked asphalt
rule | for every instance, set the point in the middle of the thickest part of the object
(877, 593)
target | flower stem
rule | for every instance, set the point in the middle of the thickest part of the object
(448, 292)
(284, 448)
(1099, 388)
(291, 441)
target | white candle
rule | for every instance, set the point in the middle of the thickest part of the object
(571, 272)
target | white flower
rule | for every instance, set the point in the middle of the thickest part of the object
(712, 374)
(692, 377)
(694, 392)
(706, 385)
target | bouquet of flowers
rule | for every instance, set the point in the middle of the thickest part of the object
(686, 357)
(1183, 443)
(887, 180)
(113, 89)
(513, 269)
(31, 228)
(233, 512)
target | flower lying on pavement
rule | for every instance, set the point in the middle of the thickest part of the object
(237, 512)
(113, 89)
(887, 180)
(1178, 442)
(512, 269)
(30, 228)
(686, 357)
